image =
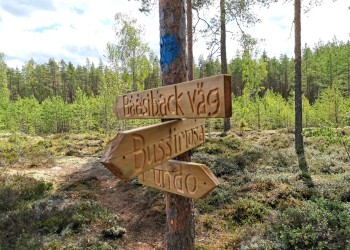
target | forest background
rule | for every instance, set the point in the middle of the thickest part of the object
(59, 97)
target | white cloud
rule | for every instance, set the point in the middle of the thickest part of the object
(74, 30)
(320, 23)
(70, 30)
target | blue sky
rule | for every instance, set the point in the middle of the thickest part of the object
(80, 29)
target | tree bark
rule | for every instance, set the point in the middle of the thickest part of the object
(223, 37)
(299, 143)
(189, 39)
(227, 124)
(180, 231)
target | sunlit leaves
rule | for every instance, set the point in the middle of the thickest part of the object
(129, 55)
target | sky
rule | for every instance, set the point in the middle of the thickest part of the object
(80, 29)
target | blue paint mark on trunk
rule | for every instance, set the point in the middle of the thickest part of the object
(169, 50)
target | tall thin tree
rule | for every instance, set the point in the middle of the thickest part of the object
(299, 142)
(223, 56)
(189, 39)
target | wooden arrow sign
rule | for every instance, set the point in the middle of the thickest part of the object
(202, 98)
(188, 179)
(133, 152)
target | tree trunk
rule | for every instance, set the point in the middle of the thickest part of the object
(227, 125)
(134, 86)
(299, 143)
(189, 39)
(180, 218)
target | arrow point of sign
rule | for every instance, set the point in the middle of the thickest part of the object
(110, 161)
(209, 180)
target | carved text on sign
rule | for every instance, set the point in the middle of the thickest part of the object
(136, 151)
(208, 97)
(188, 179)
(177, 141)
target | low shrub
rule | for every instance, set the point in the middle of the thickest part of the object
(51, 216)
(217, 198)
(318, 224)
(16, 190)
(22, 150)
(220, 145)
(250, 155)
(334, 188)
(244, 211)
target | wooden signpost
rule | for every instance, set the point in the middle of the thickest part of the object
(146, 152)
(207, 97)
(188, 179)
(133, 152)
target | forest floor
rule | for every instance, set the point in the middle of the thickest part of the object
(144, 224)
(87, 207)
(73, 165)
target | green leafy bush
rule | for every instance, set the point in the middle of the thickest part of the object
(250, 155)
(244, 211)
(319, 224)
(330, 135)
(31, 226)
(227, 167)
(22, 150)
(217, 198)
(16, 190)
(214, 146)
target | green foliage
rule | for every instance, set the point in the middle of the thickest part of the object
(21, 150)
(331, 135)
(220, 154)
(30, 219)
(17, 190)
(254, 72)
(216, 199)
(332, 106)
(319, 224)
(60, 97)
(250, 155)
(83, 110)
(130, 54)
(4, 92)
(244, 211)
(24, 116)
(55, 115)
(219, 145)
(269, 112)
(49, 217)
(336, 188)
